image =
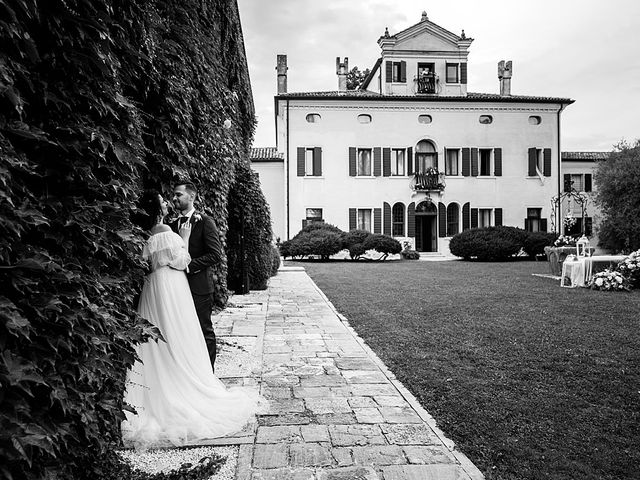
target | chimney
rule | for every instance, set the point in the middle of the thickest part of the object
(282, 68)
(504, 75)
(342, 68)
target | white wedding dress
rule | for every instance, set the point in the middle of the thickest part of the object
(177, 397)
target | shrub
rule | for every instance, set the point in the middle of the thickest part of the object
(488, 244)
(322, 239)
(383, 244)
(354, 241)
(409, 254)
(535, 242)
(275, 260)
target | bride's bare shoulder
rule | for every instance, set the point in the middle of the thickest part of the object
(160, 229)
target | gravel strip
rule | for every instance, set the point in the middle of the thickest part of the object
(165, 460)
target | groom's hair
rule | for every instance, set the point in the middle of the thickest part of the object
(188, 186)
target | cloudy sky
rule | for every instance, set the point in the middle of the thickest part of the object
(586, 50)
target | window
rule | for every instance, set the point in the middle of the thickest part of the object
(452, 73)
(533, 223)
(426, 156)
(578, 229)
(396, 71)
(311, 161)
(485, 119)
(397, 161)
(535, 120)
(484, 217)
(539, 161)
(364, 118)
(314, 215)
(452, 161)
(580, 182)
(453, 219)
(364, 162)
(313, 118)
(364, 219)
(576, 182)
(424, 119)
(397, 216)
(484, 161)
(426, 79)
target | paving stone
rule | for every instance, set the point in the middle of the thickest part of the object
(311, 392)
(315, 433)
(283, 474)
(308, 370)
(336, 419)
(331, 370)
(276, 349)
(284, 419)
(400, 415)
(412, 434)
(364, 376)
(378, 455)
(349, 473)
(328, 405)
(390, 400)
(281, 381)
(428, 455)
(286, 405)
(424, 472)
(310, 455)
(362, 402)
(279, 434)
(350, 435)
(270, 455)
(276, 392)
(373, 389)
(342, 456)
(322, 381)
(345, 391)
(368, 415)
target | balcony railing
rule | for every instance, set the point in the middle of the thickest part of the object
(429, 181)
(426, 83)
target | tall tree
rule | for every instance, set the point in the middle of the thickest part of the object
(618, 195)
(355, 78)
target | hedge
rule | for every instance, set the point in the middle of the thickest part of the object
(489, 243)
(99, 100)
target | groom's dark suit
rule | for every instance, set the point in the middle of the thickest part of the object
(205, 251)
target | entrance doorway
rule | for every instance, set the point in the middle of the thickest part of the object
(426, 227)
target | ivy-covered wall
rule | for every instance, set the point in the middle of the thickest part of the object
(99, 99)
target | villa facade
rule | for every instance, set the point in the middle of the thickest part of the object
(412, 153)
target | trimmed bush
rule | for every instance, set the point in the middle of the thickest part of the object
(320, 239)
(275, 260)
(535, 242)
(354, 241)
(383, 244)
(488, 244)
(409, 254)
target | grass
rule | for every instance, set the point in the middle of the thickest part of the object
(532, 381)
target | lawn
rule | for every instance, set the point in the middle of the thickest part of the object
(532, 381)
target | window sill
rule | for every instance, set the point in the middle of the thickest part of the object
(487, 177)
(314, 177)
(364, 177)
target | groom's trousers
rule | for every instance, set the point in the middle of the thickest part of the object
(204, 306)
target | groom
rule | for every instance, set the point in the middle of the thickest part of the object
(205, 251)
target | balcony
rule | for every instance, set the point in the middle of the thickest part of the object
(429, 181)
(426, 83)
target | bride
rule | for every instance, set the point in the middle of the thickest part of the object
(177, 397)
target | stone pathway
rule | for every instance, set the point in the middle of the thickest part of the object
(335, 411)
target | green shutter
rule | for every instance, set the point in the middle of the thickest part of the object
(409, 161)
(352, 219)
(587, 182)
(474, 162)
(466, 216)
(497, 160)
(352, 161)
(547, 162)
(442, 220)
(411, 220)
(403, 72)
(466, 162)
(567, 182)
(386, 162)
(463, 73)
(532, 162)
(497, 216)
(301, 159)
(377, 220)
(543, 224)
(389, 72)
(386, 214)
(474, 218)
(317, 162)
(377, 161)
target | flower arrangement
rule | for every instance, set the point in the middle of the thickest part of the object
(569, 221)
(565, 241)
(630, 268)
(609, 280)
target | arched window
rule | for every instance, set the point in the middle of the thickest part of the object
(397, 220)
(485, 119)
(535, 120)
(424, 118)
(364, 118)
(453, 219)
(426, 156)
(313, 117)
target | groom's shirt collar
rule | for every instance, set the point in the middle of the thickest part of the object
(190, 213)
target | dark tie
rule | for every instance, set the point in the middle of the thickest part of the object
(182, 221)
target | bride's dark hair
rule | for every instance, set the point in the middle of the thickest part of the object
(152, 208)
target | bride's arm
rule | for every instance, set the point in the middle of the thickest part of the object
(180, 258)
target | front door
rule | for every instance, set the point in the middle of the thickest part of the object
(426, 240)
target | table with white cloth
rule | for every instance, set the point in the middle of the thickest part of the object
(577, 272)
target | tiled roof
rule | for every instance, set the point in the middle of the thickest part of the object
(584, 156)
(266, 154)
(470, 97)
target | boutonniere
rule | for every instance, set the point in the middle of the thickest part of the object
(196, 217)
